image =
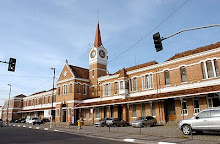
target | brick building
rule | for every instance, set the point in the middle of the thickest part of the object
(172, 90)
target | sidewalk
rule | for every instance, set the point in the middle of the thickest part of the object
(104, 133)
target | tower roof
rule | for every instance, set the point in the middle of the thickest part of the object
(98, 41)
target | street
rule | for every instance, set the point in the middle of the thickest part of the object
(9, 135)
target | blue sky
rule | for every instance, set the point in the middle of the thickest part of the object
(44, 33)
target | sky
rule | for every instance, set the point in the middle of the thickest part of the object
(44, 33)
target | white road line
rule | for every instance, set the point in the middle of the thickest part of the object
(13, 125)
(18, 125)
(129, 140)
(37, 128)
(165, 143)
(45, 128)
(56, 130)
(30, 126)
(24, 126)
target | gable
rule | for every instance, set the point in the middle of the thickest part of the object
(66, 73)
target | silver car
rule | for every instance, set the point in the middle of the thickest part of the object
(102, 122)
(144, 121)
(206, 120)
(1, 123)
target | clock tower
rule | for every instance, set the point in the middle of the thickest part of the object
(97, 61)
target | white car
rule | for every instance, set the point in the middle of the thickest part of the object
(1, 123)
(34, 120)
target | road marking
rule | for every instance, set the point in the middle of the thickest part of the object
(129, 140)
(165, 143)
(18, 125)
(30, 126)
(45, 128)
(13, 125)
(56, 130)
(37, 128)
(24, 126)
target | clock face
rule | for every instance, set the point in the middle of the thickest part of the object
(93, 53)
(102, 53)
(65, 73)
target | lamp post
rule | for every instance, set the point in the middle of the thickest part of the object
(54, 69)
(8, 103)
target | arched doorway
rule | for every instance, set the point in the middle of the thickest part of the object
(63, 113)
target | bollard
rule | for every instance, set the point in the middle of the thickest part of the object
(140, 130)
(99, 127)
(191, 131)
(108, 127)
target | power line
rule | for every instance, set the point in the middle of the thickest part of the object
(23, 76)
(149, 32)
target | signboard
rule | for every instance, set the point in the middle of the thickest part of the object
(47, 113)
(72, 118)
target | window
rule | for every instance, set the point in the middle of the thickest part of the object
(71, 88)
(84, 89)
(210, 69)
(115, 87)
(184, 107)
(121, 85)
(135, 83)
(107, 89)
(213, 99)
(167, 77)
(44, 100)
(130, 85)
(215, 113)
(204, 114)
(58, 91)
(92, 90)
(147, 81)
(153, 112)
(134, 110)
(96, 112)
(99, 88)
(69, 111)
(196, 105)
(64, 89)
(19, 103)
(58, 112)
(93, 72)
(78, 88)
(84, 113)
(90, 113)
(143, 109)
(183, 74)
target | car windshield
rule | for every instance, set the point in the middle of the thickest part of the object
(140, 118)
(35, 118)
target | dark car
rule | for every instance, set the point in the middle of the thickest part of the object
(116, 122)
(45, 120)
(13, 120)
(21, 120)
(102, 122)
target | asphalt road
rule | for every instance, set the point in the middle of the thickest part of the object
(12, 135)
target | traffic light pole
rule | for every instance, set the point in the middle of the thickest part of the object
(195, 28)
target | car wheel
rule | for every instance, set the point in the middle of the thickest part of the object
(142, 125)
(103, 125)
(153, 124)
(186, 129)
(33, 123)
(114, 125)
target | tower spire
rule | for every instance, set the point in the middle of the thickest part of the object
(98, 40)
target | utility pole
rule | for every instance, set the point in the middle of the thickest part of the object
(54, 69)
(8, 103)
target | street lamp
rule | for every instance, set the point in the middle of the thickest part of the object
(54, 69)
(8, 102)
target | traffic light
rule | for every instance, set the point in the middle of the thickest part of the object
(157, 42)
(11, 65)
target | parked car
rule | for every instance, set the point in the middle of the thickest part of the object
(116, 122)
(144, 121)
(102, 122)
(1, 123)
(206, 120)
(45, 120)
(13, 120)
(35, 120)
(21, 120)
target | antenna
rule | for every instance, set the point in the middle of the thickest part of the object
(98, 15)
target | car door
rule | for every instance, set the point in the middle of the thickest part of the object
(200, 122)
(214, 121)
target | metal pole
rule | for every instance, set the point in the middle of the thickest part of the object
(195, 28)
(52, 97)
(8, 103)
